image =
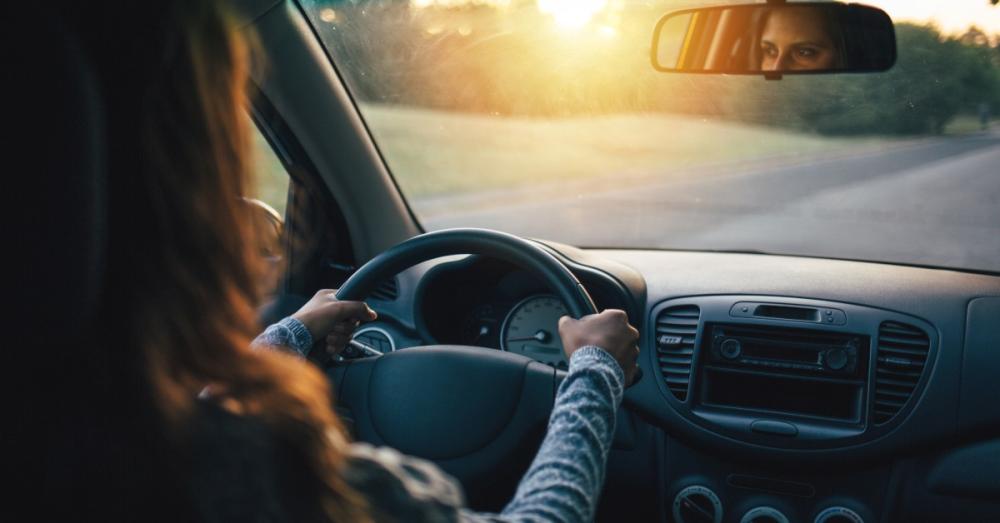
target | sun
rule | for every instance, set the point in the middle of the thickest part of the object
(571, 14)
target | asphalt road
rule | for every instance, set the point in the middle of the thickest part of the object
(933, 202)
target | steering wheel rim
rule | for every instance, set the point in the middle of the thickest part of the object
(486, 242)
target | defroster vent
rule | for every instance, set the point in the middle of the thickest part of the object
(387, 290)
(900, 359)
(676, 328)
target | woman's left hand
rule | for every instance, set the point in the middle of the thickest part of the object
(326, 317)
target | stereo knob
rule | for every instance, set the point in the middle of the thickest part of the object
(835, 359)
(697, 504)
(764, 515)
(838, 515)
(731, 349)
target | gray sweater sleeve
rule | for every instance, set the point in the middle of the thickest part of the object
(565, 480)
(288, 333)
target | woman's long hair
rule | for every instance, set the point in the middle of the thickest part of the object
(183, 271)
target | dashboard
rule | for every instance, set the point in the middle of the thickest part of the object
(775, 388)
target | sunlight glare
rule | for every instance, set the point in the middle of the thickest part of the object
(571, 14)
(498, 4)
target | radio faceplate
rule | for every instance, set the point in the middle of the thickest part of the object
(793, 351)
(788, 371)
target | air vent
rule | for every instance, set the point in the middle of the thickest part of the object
(676, 328)
(901, 355)
(387, 291)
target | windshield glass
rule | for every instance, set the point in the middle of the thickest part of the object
(544, 118)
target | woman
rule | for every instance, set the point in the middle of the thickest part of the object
(801, 38)
(181, 418)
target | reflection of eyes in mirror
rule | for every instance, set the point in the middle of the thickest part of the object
(799, 39)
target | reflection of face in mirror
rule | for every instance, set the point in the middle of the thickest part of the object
(800, 39)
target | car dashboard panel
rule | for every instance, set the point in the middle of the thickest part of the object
(801, 384)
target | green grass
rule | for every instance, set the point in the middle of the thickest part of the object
(436, 152)
(963, 124)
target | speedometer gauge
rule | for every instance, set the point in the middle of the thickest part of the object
(532, 329)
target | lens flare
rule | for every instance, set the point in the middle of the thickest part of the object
(572, 14)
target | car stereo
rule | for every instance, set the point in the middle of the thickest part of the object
(792, 371)
(749, 347)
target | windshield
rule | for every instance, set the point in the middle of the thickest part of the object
(544, 118)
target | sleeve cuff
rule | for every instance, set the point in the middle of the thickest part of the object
(299, 338)
(593, 356)
(290, 333)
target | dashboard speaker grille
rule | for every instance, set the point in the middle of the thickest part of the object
(900, 358)
(676, 328)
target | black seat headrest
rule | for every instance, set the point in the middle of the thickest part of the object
(57, 226)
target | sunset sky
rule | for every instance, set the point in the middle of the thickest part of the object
(951, 16)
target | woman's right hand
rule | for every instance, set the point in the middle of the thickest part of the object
(608, 330)
(328, 318)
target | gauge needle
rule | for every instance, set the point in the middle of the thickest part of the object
(540, 336)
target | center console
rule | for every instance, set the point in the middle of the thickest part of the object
(790, 373)
(784, 373)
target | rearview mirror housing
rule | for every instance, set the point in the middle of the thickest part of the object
(775, 39)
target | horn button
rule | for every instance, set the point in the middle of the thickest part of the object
(444, 402)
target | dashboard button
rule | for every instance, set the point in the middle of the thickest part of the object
(731, 349)
(835, 359)
(764, 515)
(697, 504)
(838, 515)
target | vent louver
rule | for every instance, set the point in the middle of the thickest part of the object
(387, 291)
(676, 328)
(900, 358)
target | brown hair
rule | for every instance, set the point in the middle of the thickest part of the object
(183, 270)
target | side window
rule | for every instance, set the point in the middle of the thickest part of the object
(271, 177)
(267, 205)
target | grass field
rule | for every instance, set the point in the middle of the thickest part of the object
(437, 153)
(434, 153)
(963, 124)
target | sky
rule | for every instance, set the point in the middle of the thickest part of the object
(951, 16)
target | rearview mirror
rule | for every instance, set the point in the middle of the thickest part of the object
(774, 39)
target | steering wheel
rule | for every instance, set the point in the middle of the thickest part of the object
(478, 413)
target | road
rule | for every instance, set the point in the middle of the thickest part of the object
(933, 202)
